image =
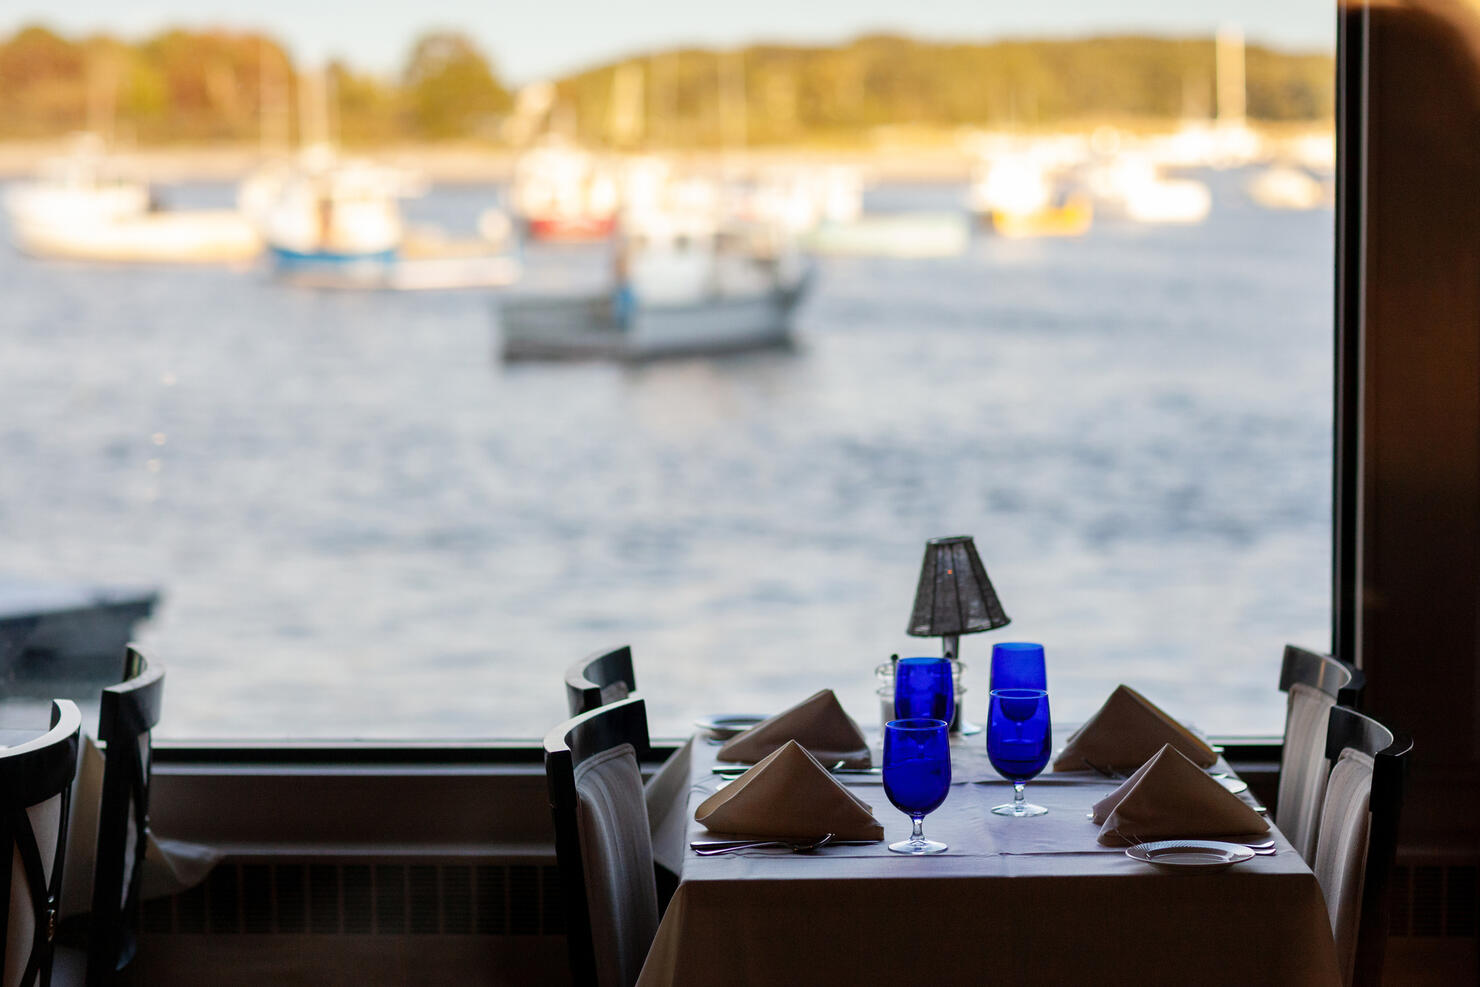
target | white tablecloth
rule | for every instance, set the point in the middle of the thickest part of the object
(1036, 898)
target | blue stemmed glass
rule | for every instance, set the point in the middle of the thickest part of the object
(923, 689)
(1018, 743)
(917, 775)
(1018, 665)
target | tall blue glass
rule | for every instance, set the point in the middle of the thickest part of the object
(1019, 739)
(1018, 665)
(917, 775)
(923, 689)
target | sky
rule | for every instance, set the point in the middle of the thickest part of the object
(530, 41)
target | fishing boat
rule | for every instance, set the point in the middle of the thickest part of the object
(337, 224)
(800, 200)
(1019, 196)
(1284, 186)
(86, 206)
(1132, 185)
(679, 288)
(321, 209)
(52, 631)
(903, 235)
(563, 193)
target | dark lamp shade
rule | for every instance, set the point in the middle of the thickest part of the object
(954, 596)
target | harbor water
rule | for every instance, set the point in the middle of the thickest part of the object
(364, 525)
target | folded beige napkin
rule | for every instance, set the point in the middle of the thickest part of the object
(1126, 731)
(1170, 797)
(818, 723)
(789, 794)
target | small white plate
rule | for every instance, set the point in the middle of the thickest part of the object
(726, 725)
(1208, 855)
(1235, 785)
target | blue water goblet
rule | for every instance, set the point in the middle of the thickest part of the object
(924, 689)
(1018, 665)
(1018, 743)
(917, 775)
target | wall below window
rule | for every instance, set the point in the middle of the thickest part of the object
(372, 866)
(389, 866)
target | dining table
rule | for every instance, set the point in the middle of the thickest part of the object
(1036, 900)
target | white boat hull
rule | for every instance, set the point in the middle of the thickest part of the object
(907, 235)
(1287, 188)
(187, 237)
(587, 328)
(406, 274)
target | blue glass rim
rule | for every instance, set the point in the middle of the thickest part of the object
(916, 725)
(1020, 693)
(1017, 646)
(925, 660)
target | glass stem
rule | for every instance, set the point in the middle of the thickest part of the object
(918, 836)
(1017, 794)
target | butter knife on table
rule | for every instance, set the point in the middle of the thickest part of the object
(721, 844)
(739, 769)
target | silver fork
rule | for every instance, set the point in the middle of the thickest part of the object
(795, 846)
(1265, 849)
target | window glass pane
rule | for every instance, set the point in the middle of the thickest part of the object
(1071, 296)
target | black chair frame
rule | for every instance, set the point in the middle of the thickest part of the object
(586, 678)
(567, 747)
(1390, 751)
(128, 713)
(1330, 675)
(31, 773)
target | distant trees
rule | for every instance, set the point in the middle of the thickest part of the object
(844, 92)
(178, 85)
(449, 89)
(43, 83)
(368, 108)
(225, 86)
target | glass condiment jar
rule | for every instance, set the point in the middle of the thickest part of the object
(884, 676)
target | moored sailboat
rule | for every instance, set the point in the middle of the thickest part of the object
(86, 206)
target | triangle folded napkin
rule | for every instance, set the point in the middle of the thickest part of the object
(818, 723)
(1170, 797)
(1126, 731)
(789, 794)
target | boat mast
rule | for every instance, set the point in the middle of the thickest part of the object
(1228, 64)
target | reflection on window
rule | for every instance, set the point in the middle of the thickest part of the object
(409, 380)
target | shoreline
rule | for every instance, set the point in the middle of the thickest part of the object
(938, 158)
(474, 165)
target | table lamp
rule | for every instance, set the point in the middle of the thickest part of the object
(954, 597)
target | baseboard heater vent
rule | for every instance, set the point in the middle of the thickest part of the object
(1436, 900)
(366, 899)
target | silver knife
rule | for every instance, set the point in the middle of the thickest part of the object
(721, 844)
(736, 769)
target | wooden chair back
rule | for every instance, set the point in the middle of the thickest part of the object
(1315, 683)
(567, 747)
(1336, 678)
(32, 774)
(128, 714)
(1390, 752)
(599, 678)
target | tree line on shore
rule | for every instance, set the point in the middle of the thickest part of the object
(221, 86)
